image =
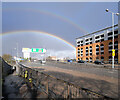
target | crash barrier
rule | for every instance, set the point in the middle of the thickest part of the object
(54, 87)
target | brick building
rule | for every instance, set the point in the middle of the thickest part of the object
(98, 46)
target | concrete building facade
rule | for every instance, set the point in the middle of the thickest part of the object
(98, 46)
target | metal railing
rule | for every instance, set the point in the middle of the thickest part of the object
(54, 87)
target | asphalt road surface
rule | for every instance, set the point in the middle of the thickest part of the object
(112, 73)
(102, 80)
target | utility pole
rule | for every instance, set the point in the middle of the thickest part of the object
(113, 50)
(17, 53)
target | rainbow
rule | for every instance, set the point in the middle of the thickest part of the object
(49, 14)
(39, 32)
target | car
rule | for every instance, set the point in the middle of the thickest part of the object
(98, 62)
(43, 61)
(81, 61)
(69, 60)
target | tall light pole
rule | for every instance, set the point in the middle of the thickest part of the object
(113, 51)
(17, 53)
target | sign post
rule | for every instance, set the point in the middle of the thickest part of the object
(113, 52)
(38, 50)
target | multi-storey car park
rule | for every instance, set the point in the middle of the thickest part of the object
(98, 46)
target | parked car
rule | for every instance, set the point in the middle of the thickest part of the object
(98, 62)
(69, 60)
(81, 61)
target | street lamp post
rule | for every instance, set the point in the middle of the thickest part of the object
(107, 10)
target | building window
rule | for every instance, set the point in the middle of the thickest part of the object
(102, 35)
(90, 42)
(87, 59)
(96, 37)
(90, 54)
(86, 51)
(90, 47)
(90, 39)
(97, 53)
(97, 49)
(97, 58)
(110, 47)
(110, 51)
(110, 44)
(102, 53)
(109, 33)
(102, 48)
(116, 32)
(116, 45)
(97, 41)
(109, 38)
(110, 59)
(102, 58)
(90, 59)
(116, 59)
(102, 40)
(87, 40)
(116, 36)
(90, 50)
(87, 43)
(81, 49)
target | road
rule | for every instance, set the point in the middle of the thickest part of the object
(102, 80)
(111, 73)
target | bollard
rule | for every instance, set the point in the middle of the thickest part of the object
(47, 87)
(17, 69)
(30, 80)
(26, 72)
(68, 92)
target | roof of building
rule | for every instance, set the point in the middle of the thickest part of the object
(97, 31)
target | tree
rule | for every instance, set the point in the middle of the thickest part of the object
(30, 58)
(7, 57)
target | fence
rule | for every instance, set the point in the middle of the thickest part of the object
(54, 87)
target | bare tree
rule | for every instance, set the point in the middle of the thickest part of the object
(7, 57)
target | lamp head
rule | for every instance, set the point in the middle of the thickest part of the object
(107, 10)
(117, 14)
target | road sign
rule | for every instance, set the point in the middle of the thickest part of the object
(113, 52)
(26, 50)
(38, 50)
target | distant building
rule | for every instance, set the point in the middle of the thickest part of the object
(51, 58)
(98, 46)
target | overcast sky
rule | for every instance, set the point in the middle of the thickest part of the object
(65, 20)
